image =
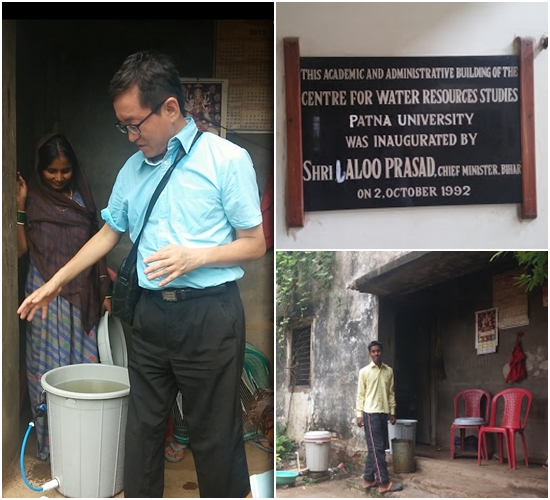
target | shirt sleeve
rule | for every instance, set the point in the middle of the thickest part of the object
(240, 196)
(361, 391)
(116, 212)
(391, 395)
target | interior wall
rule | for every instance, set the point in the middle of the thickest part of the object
(10, 331)
(64, 87)
(448, 312)
(464, 368)
(390, 29)
(63, 72)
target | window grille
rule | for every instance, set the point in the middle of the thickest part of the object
(301, 356)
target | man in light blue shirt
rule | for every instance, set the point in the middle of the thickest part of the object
(189, 329)
(202, 205)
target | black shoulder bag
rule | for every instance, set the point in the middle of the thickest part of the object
(126, 291)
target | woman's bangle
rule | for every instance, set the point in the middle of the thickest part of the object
(20, 223)
(108, 296)
(21, 217)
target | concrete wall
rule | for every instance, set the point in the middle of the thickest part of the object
(342, 326)
(426, 383)
(372, 29)
(465, 369)
(10, 329)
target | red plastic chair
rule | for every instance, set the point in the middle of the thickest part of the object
(473, 399)
(511, 424)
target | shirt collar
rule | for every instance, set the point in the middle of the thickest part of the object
(184, 138)
(373, 365)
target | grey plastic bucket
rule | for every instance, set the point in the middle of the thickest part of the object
(87, 424)
(403, 455)
(317, 444)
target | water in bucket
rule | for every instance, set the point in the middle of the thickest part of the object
(91, 386)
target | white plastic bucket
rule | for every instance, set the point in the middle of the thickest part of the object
(317, 445)
(87, 410)
(403, 429)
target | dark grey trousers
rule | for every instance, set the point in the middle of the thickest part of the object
(195, 346)
(376, 428)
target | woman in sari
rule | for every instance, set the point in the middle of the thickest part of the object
(56, 216)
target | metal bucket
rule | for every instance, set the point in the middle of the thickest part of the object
(403, 455)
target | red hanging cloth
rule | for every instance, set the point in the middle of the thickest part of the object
(518, 370)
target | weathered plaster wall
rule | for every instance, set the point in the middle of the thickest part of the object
(345, 322)
(342, 326)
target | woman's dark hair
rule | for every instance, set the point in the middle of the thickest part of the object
(155, 75)
(375, 343)
(56, 146)
(261, 411)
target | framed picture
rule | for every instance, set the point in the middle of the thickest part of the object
(487, 331)
(206, 101)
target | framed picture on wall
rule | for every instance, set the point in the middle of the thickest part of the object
(206, 102)
(486, 331)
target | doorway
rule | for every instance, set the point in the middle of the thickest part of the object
(415, 361)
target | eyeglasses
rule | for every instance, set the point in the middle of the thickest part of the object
(134, 129)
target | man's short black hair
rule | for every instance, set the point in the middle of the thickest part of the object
(375, 343)
(155, 75)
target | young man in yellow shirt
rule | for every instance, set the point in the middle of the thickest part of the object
(374, 405)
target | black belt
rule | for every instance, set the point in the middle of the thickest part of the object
(177, 294)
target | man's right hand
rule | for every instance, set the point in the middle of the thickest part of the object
(360, 422)
(98, 246)
(39, 299)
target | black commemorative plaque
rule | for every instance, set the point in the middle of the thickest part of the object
(411, 131)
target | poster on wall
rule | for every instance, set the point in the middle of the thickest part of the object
(486, 331)
(410, 131)
(206, 102)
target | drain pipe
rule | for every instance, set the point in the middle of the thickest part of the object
(49, 485)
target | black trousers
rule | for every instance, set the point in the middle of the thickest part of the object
(376, 428)
(196, 346)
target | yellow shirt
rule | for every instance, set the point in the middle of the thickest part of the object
(375, 390)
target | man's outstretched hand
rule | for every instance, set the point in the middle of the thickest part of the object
(39, 299)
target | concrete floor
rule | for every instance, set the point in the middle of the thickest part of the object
(180, 479)
(437, 476)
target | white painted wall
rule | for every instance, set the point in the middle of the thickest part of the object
(406, 30)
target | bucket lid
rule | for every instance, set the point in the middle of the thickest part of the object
(404, 421)
(317, 436)
(111, 342)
